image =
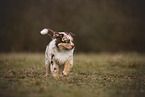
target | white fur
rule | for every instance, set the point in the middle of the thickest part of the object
(61, 56)
(44, 31)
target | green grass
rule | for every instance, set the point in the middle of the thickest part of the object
(93, 75)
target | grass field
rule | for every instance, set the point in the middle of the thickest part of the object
(93, 75)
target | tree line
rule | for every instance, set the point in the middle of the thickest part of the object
(99, 25)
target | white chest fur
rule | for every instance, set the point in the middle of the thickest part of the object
(63, 56)
(60, 56)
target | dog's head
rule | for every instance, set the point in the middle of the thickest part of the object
(64, 40)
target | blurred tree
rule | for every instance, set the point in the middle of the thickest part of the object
(99, 25)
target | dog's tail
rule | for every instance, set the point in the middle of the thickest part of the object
(44, 31)
(49, 32)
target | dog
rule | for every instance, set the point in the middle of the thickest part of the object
(59, 53)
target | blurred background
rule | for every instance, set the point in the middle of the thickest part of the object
(99, 25)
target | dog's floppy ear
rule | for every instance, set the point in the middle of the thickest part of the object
(50, 32)
(72, 34)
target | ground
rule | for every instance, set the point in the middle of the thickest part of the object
(93, 75)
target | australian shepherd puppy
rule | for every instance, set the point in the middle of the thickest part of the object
(59, 53)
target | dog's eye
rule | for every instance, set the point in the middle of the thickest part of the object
(61, 35)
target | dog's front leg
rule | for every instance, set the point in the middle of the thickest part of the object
(47, 68)
(67, 67)
(55, 68)
(47, 62)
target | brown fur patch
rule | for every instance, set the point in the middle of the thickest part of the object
(63, 46)
(67, 67)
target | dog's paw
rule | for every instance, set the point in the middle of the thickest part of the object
(46, 75)
(65, 74)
